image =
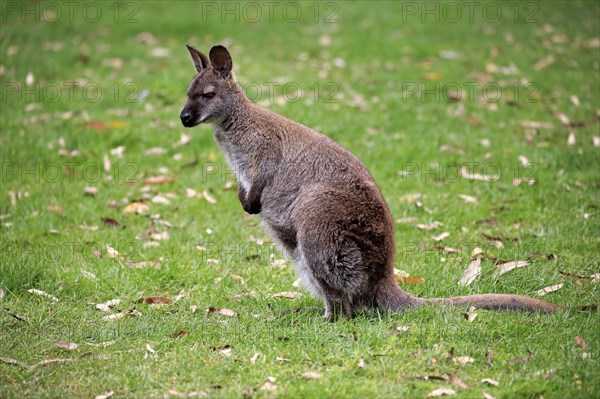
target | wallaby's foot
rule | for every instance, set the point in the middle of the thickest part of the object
(337, 307)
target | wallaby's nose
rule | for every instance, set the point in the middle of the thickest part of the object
(185, 117)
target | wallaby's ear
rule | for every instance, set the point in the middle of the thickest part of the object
(200, 60)
(221, 61)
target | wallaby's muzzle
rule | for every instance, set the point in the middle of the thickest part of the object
(186, 118)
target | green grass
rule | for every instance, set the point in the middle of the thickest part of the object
(385, 49)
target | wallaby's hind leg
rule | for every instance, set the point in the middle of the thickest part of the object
(337, 305)
(335, 268)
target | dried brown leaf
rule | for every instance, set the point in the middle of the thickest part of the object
(52, 361)
(222, 311)
(105, 395)
(311, 375)
(506, 267)
(155, 300)
(178, 334)
(138, 207)
(430, 226)
(441, 237)
(16, 362)
(456, 381)
(157, 180)
(471, 314)
(110, 222)
(436, 393)
(468, 198)
(269, 384)
(288, 294)
(490, 382)
(581, 342)
(410, 280)
(472, 271)
(69, 346)
(550, 289)
(462, 360)
(42, 294)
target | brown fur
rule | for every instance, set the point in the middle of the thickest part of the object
(316, 198)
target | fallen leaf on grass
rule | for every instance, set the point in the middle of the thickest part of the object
(115, 316)
(441, 237)
(398, 330)
(89, 275)
(237, 278)
(487, 395)
(144, 264)
(440, 392)
(155, 151)
(474, 268)
(43, 294)
(468, 198)
(311, 375)
(581, 342)
(52, 361)
(544, 63)
(150, 352)
(138, 207)
(490, 381)
(208, 197)
(110, 222)
(519, 360)
(496, 241)
(55, 208)
(178, 334)
(489, 356)
(506, 267)
(410, 280)
(361, 363)
(456, 381)
(69, 346)
(155, 300)
(111, 252)
(254, 357)
(16, 362)
(105, 395)
(430, 226)
(1, 293)
(464, 172)
(157, 180)
(96, 125)
(462, 360)
(222, 311)
(90, 190)
(287, 294)
(550, 289)
(177, 394)
(183, 140)
(161, 200)
(471, 314)
(269, 384)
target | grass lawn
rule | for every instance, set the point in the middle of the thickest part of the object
(482, 116)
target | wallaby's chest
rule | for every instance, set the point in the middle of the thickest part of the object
(236, 159)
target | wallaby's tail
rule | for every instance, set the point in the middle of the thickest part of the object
(499, 302)
(390, 296)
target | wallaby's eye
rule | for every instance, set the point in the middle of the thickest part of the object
(208, 96)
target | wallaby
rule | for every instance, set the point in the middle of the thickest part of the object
(316, 198)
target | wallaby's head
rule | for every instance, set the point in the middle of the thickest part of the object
(213, 91)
